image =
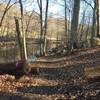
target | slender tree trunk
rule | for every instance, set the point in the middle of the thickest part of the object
(82, 26)
(23, 33)
(93, 24)
(66, 34)
(87, 31)
(41, 25)
(45, 28)
(41, 34)
(69, 27)
(98, 17)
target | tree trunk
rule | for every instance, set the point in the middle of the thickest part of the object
(98, 17)
(74, 24)
(45, 29)
(88, 28)
(41, 26)
(93, 24)
(26, 68)
(82, 25)
(23, 33)
(20, 40)
(66, 33)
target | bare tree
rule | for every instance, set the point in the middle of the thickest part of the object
(65, 3)
(82, 24)
(41, 25)
(93, 24)
(88, 28)
(8, 6)
(23, 33)
(74, 24)
(19, 38)
(45, 27)
(98, 16)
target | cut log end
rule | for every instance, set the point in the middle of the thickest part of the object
(92, 73)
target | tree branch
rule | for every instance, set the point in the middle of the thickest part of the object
(88, 4)
(6, 9)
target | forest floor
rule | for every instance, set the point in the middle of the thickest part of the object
(59, 78)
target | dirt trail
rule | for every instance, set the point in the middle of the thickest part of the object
(87, 56)
(59, 79)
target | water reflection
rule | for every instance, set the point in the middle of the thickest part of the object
(11, 54)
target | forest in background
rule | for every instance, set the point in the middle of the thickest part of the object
(40, 22)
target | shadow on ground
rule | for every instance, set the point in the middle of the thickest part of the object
(68, 90)
(11, 96)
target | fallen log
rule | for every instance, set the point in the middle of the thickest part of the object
(18, 69)
(11, 67)
(93, 73)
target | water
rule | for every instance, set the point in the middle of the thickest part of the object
(9, 54)
(12, 53)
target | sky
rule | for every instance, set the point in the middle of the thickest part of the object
(55, 9)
